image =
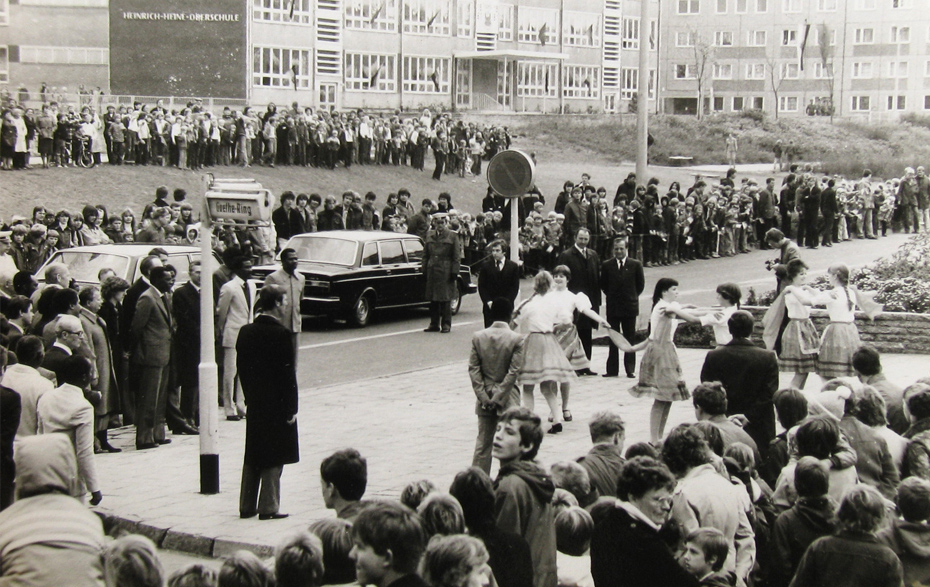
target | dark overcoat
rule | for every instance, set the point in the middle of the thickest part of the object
(441, 265)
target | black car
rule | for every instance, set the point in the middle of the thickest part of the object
(351, 272)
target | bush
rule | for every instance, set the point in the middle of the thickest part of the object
(915, 119)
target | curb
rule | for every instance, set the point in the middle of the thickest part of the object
(184, 542)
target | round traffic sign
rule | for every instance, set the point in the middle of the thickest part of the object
(511, 173)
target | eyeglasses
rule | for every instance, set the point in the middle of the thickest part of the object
(78, 333)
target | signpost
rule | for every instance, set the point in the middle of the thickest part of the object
(511, 173)
(233, 202)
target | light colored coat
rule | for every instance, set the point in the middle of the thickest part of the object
(495, 362)
(294, 287)
(65, 410)
(232, 311)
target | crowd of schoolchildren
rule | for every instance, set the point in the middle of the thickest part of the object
(194, 137)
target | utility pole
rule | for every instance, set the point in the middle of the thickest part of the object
(642, 89)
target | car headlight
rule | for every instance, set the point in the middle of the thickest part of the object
(318, 283)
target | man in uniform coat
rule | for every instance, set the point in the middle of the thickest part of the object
(749, 375)
(441, 267)
(293, 282)
(127, 311)
(185, 302)
(585, 268)
(622, 282)
(498, 278)
(152, 328)
(265, 360)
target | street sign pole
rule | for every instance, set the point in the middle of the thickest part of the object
(207, 371)
(512, 173)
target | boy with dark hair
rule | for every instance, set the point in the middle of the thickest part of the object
(389, 541)
(908, 538)
(710, 404)
(605, 459)
(705, 551)
(524, 490)
(344, 476)
(867, 363)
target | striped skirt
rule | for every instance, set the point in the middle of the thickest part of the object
(799, 347)
(567, 335)
(544, 360)
(660, 374)
(840, 340)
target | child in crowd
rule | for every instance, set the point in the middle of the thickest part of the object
(133, 560)
(298, 561)
(193, 576)
(388, 542)
(343, 477)
(336, 538)
(456, 561)
(909, 535)
(573, 529)
(415, 492)
(705, 551)
(244, 569)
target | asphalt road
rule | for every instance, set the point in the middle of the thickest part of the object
(333, 352)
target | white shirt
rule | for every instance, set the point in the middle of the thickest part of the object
(721, 327)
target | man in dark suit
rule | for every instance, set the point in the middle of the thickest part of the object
(265, 361)
(185, 303)
(152, 327)
(828, 208)
(585, 268)
(622, 282)
(498, 278)
(69, 337)
(749, 375)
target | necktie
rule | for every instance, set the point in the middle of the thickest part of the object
(245, 290)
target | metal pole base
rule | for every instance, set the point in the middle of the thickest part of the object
(209, 474)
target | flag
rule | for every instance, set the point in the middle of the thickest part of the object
(547, 80)
(373, 80)
(290, 13)
(434, 77)
(294, 70)
(377, 13)
(591, 35)
(804, 31)
(587, 83)
(429, 24)
(541, 33)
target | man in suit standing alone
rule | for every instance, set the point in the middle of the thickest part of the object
(265, 360)
(152, 329)
(499, 278)
(232, 313)
(585, 268)
(293, 283)
(749, 375)
(622, 281)
(186, 305)
(496, 360)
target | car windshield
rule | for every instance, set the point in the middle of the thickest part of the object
(333, 251)
(86, 266)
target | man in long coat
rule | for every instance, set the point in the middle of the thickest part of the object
(265, 361)
(441, 267)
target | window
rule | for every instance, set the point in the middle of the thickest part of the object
(742, 6)
(67, 3)
(426, 75)
(897, 69)
(755, 71)
(900, 34)
(791, 5)
(651, 86)
(464, 17)
(275, 67)
(374, 15)
(630, 38)
(63, 55)
(788, 103)
(737, 103)
(926, 102)
(826, 5)
(689, 6)
(4, 64)
(896, 102)
(505, 30)
(370, 254)
(721, 6)
(414, 250)
(685, 39)
(863, 5)
(723, 38)
(789, 37)
(757, 38)
(927, 68)
(629, 82)
(536, 79)
(899, 3)
(582, 81)
(862, 69)
(392, 253)
(789, 71)
(761, 6)
(822, 71)
(860, 103)
(864, 36)
(426, 17)
(583, 29)
(718, 103)
(653, 34)
(824, 36)
(300, 12)
(723, 71)
(684, 71)
(4, 12)
(538, 25)
(370, 72)
(758, 103)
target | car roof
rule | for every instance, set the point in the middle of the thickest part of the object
(133, 249)
(358, 235)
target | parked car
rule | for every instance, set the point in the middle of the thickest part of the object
(85, 263)
(350, 273)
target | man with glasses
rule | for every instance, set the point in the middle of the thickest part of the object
(69, 337)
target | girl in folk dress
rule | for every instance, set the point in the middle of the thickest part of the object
(660, 371)
(800, 345)
(841, 337)
(728, 298)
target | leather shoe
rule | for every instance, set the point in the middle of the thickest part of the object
(274, 516)
(164, 441)
(446, 330)
(234, 418)
(631, 375)
(556, 428)
(431, 329)
(146, 445)
(610, 375)
(246, 515)
(186, 430)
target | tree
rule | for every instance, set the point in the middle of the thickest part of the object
(776, 78)
(826, 60)
(704, 60)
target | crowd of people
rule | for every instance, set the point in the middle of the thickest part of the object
(194, 137)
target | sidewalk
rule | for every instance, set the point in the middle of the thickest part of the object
(416, 425)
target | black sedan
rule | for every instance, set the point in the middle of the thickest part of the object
(350, 273)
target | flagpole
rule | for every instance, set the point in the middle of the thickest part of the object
(642, 102)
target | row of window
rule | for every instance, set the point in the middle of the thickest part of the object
(792, 103)
(787, 6)
(894, 69)
(817, 36)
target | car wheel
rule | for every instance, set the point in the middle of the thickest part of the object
(456, 300)
(361, 311)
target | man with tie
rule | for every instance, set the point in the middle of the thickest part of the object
(622, 282)
(293, 283)
(152, 328)
(232, 313)
(585, 268)
(498, 278)
(185, 303)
